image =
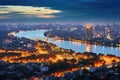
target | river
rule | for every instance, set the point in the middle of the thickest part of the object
(77, 47)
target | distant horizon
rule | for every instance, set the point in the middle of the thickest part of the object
(78, 23)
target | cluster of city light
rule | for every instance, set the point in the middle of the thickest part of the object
(40, 50)
(11, 33)
(88, 27)
(61, 73)
(42, 54)
(106, 60)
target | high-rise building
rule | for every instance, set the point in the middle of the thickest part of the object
(107, 33)
(88, 32)
(106, 30)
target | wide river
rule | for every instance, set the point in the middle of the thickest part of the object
(78, 47)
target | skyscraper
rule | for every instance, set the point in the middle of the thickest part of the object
(88, 32)
(107, 33)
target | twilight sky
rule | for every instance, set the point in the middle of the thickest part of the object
(78, 11)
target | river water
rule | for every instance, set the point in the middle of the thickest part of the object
(76, 46)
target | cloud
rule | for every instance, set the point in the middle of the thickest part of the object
(60, 10)
(46, 16)
(4, 17)
(41, 12)
(4, 12)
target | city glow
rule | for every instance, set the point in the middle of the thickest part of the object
(88, 26)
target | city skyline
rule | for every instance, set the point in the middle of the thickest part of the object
(79, 11)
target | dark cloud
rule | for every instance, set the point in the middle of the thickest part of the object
(75, 10)
(64, 4)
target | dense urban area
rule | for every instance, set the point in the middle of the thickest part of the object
(107, 35)
(34, 59)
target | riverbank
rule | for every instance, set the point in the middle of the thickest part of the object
(56, 63)
(92, 42)
(75, 46)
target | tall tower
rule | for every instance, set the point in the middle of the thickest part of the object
(107, 33)
(88, 32)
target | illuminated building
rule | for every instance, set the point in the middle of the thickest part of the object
(107, 33)
(11, 33)
(89, 32)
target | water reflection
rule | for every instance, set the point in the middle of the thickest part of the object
(88, 47)
(76, 46)
(76, 43)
